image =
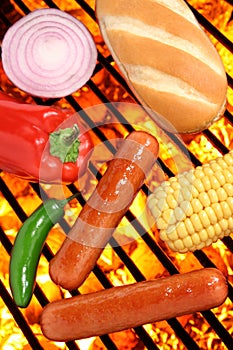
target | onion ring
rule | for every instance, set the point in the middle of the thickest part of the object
(48, 53)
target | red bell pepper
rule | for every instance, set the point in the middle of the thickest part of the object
(42, 143)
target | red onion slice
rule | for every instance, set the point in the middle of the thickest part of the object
(48, 53)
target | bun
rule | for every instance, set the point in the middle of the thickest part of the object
(167, 60)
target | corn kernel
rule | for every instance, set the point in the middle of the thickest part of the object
(155, 212)
(214, 182)
(164, 185)
(194, 192)
(196, 205)
(207, 170)
(230, 223)
(199, 246)
(204, 218)
(169, 190)
(186, 193)
(211, 215)
(211, 231)
(172, 179)
(172, 203)
(196, 238)
(162, 204)
(189, 226)
(189, 175)
(163, 235)
(229, 189)
(228, 176)
(188, 243)
(179, 214)
(198, 172)
(224, 224)
(221, 193)
(230, 168)
(218, 210)
(175, 184)
(181, 230)
(225, 233)
(206, 183)
(198, 185)
(204, 199)
(214, 166)
(160, 194)
(179, 245)
(178, 195)
(208, 242)
(161, 224)
(218, 229)
(172, 233)
(185, 250)
(152, 205)
(213, 196)
(169, 217)
(196, 222)
(227, 212)
(187, 208)
(228, 158)
(203, 235)
(182, 180)
(220, 177)
(152, 201)
(221, 162)
(230, 202)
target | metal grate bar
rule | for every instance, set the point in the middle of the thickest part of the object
(102, 278)
(211, 29)
(41, 297)
(19, 318)
(38, 291)
(219, 329)
(22, 6)
(215, 141)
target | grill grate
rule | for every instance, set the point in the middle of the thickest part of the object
(104, 64)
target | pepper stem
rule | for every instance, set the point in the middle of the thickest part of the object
(69, 139)
(63, 202)
(64, 144)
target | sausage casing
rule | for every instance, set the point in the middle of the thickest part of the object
(128, 306)
(104, 210)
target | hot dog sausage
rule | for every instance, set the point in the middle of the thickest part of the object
(104, 210)
(132, 305)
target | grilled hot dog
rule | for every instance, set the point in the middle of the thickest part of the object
(129, 306)
(104, 210)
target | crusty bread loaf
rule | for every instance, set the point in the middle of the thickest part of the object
(167, 60)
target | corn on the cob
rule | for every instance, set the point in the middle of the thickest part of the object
(194, 209)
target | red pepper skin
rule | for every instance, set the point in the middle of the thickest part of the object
(24, 142)
(5, 97)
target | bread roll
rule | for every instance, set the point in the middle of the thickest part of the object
(167, 60)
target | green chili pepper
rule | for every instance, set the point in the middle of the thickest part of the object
(28, 245)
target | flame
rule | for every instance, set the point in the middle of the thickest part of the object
(11, 337)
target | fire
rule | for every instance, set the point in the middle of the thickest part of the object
(11, 337)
